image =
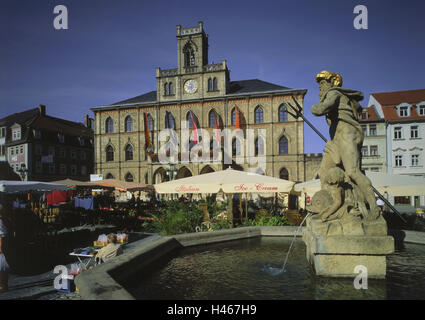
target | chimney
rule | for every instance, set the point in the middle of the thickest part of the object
(42, 110)
(86, 121)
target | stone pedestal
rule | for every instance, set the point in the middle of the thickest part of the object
(335, 248)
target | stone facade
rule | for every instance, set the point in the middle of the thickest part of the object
(201, 88)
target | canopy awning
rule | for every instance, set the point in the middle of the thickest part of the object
(75, 183)
(393, 184)
(123, 185)
(229, 181)
(26, 186)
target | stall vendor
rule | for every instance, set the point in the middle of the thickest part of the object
(112, 250)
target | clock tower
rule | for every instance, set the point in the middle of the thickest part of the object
(193, 78)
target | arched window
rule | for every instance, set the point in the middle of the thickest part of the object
(128, 152)
(210, 85)
(212, 117)
(283, 174)
(171, 88)
(128, 124)
(189, 56)
(189, 120)
(171, 121)
(283, 114)
(283, 145)
(129, 177)
(259, 146)
(109, 176)
(150, 122)
(166, 92)
(109, 125)
(109, 153)
(215, 84)
(233, 114)
(258, 115)
(236, 146)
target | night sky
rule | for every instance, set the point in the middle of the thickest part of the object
(111, 49)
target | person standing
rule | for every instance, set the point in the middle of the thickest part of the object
(4, 267)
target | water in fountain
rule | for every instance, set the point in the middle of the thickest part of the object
(273, 271)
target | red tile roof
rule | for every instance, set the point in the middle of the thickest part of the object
(371, 115)
(390, 100)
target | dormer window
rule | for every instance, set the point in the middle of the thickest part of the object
(16, 134)
(403, 110)
(61, 138)
(421, 109)
(37, 134)
(3, 132)
(364, 115)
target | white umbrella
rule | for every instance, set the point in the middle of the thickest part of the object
(229, 181)
(394, 184)
(25, 186)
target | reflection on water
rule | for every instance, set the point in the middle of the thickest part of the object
(249, 269)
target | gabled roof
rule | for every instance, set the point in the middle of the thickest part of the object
(390, 100)
(49, 123)
(235, 88)
(394, 98)
(20, 117)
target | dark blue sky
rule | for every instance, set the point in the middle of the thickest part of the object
(112, 48)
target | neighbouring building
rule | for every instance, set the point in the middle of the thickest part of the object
(43, 148)
(404, 115)
(203, 91)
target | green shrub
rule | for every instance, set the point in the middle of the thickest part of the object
(266, 221)
(175, 218)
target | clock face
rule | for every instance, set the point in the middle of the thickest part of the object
(190, 86)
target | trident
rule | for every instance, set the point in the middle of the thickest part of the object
(298, 114)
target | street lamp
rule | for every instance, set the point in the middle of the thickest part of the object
(23, 171)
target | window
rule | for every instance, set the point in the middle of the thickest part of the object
(189, 56)
(128, 124)
(210, 85)
(374, 169)
(236, 147)
(259, 146)
(397, 133)
(12, 151)
(258, 115)
(81, 140)
(215, 84)
(415, 160)
(109, 153)
(129, 177)
(404, 111)
(3, 132)
(37, 134)
(373, 150)
(62, 152)
(364, 115)
(2, 150)
(372, 130)
(171, 89)
(283, 145)
(73, 154)
(83, 155)
(21, 149)
(212, 117)
(109, 176)
(421, 110)
(414, 132)
(398, 160)
(233, 116)
(62, 168)
(402, 200)
(16, 134)
(150, 122)
(364, 129)
(61, 138)
(83, 170)
(283, 114)
(171, 121)
(146, 178)
(189, 120)
(51, 151)
(128, 153)
(109, 125)
(283, 174)
(364, 151)
(73, 169)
